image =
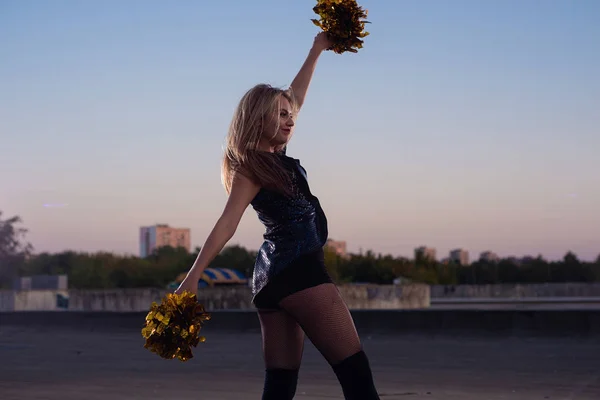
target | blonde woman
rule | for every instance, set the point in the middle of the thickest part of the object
(292, 291)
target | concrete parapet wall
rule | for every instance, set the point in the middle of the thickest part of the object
(216, 298)
(420, 322)
(38, 300)
(117, 300)
(226, 298)
(7, 300)
(383, 297)
(516, 290)
(358, 297)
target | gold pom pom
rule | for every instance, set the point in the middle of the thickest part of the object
(172, 328)
(341, 19)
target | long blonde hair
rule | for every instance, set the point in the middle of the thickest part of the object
(242, 155)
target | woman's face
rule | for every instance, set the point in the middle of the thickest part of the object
(279, 127)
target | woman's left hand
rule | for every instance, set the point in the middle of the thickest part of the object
(190, 284)
(322, 42)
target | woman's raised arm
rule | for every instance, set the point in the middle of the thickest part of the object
(302, 80)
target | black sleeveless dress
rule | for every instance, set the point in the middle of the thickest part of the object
(291, 257)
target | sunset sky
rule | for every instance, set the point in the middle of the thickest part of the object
(460, 124)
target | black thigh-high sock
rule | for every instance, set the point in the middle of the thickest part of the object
(280, 384)
(354, 374)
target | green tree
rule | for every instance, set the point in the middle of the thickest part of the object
(571, 259)
(14, 250)
(236, 257)
(332, 264)
(106, 270)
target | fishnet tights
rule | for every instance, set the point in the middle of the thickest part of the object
(283, 340)
(321, 314)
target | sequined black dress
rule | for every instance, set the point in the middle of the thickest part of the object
(291, 257)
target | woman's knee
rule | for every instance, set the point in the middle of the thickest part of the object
(326, 320)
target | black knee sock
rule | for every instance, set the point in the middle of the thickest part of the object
(280, 384)
(354, 374)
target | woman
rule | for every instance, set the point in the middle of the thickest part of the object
(293, 293)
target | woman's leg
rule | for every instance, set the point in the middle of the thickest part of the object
(283, 345)
(326, 320)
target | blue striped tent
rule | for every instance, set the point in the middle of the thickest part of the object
(216, 276)
(220, 276)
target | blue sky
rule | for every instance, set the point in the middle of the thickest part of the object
(460, 124)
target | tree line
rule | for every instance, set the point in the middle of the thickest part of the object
(105, 270)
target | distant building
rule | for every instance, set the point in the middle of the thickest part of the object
(41, 282)
(460, 256)
(428, 253)
(153, 237)
(338, 246)
(489, 256)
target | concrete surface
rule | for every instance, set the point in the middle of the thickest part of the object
(75, 363)
(497, 323)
